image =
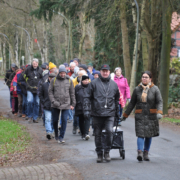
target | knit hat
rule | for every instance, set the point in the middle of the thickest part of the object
(90, 64)
(51, 65)
(66, 64)
(96, 72)
(43, 66)
(83, 66)
(76, 59)
(52, 75)
(84, 77)
(13, 65)
(46, 63)
(62, 69)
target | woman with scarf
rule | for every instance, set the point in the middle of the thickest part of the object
(149, 104)
(84, 123)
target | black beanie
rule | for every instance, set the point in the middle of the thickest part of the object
(84, 77)
(83, 66)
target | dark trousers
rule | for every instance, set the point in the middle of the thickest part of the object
(14, 105)
(103, 123)
(84, 124)
(20, 102)
(55, 117)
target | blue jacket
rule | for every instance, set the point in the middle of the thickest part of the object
(21, 80)
(90, 75)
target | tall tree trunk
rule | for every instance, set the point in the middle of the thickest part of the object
(4, 55)
(144, 51)
(165, 53)
(16, 46)
(125, 41)
(21, 42)
(1, 58)
(83, 34)
(71, 41)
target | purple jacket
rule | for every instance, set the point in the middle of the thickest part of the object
(123, 86)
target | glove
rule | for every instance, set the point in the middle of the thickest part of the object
(159, 116)
(124, 118)
(129, 100)
(56, 103)
(11, 93)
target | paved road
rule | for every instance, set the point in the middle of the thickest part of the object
(164, 155)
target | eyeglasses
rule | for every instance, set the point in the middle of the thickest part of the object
(145, 77)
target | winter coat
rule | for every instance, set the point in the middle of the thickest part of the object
(61, 93)
(123, 86)
(76, 82)
(146, 122)
(33, 78)
(44, 96)
(121, 100)
(95, 98)
(7, 77)
(22, 83)
(79, 94)
(13, 89)
(15, 81)
(91, 77)
(42, 81)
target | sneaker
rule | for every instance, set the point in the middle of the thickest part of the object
(27, 118)
(74, 130)
(48, 136)
(70, 121)
(60, 141)
(83, 137)
(23, 116)
(35, 121)
(87, 137)
(20, 115)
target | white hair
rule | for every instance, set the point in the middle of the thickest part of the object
(72, 64)
(35, 59)
(83, 72)
(56, 71)
(118, 68)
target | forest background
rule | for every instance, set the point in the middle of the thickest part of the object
(96, 31)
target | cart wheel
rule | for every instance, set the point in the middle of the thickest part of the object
(123, 154)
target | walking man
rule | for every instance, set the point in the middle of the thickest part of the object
(62, 97)
(33, 75)
(101, 101)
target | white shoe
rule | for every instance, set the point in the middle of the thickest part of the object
(87, 137)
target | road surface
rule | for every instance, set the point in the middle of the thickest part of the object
(164, 154)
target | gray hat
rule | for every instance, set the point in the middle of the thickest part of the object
(13, 65)
(52, 75)
(43, 66)
(62, 69)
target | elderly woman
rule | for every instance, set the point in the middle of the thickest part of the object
(149, 104)
(123, 86)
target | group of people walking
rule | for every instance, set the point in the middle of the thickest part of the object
(78, 93)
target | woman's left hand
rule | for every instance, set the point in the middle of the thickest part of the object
(159, 116)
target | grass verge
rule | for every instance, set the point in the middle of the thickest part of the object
(171, 120)
(13, 137)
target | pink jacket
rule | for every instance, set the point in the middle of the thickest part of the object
(123, 86)
(121, 100)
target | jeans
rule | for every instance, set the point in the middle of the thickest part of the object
(71, 112)
(75, 120)
(144, 143)
(84, 124)
(24, 104)
(64, 115)
(32, 105)
(101, 123)
(48, 121)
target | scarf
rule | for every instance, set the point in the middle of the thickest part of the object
(145, 91)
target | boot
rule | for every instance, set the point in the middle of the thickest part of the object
(145, 156)
(140, 155)
(100, 158)
(107, 157)
(74, 130)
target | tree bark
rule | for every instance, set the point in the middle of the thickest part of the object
(16, 46)
(4, 55)
(1, 58)
(125, 41)
(71, 42)
(165, 53)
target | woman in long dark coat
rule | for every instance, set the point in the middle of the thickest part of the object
(149, 104)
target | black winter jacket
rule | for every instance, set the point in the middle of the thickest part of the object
(42, 81)
(79, 94)
(95, 98)
(7, 77)
(146, 122)
(22, 83)
(44, 97)
(33, 78)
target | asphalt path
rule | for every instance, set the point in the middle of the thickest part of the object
(164, 155)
